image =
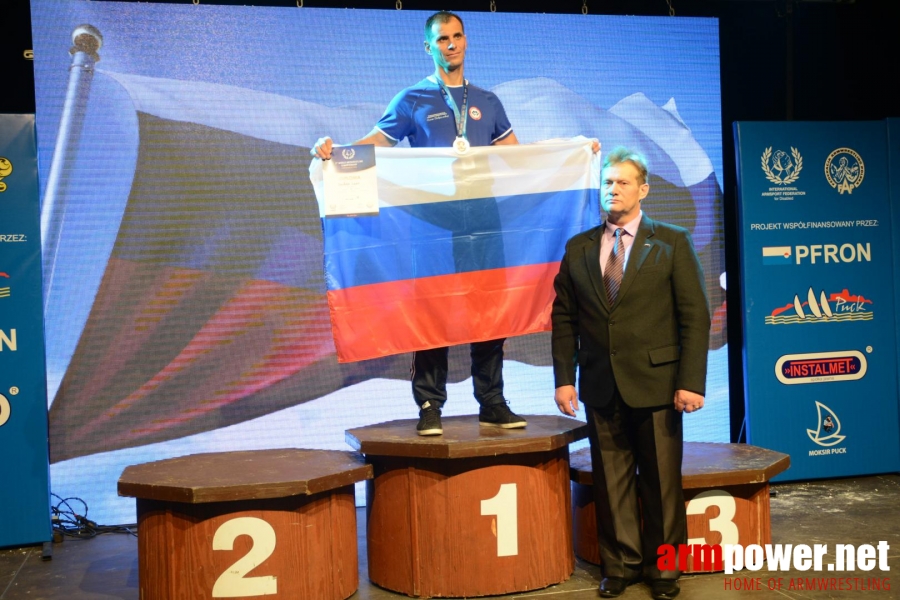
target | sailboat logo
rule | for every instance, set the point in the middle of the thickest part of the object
(831, 308)
(829, 428)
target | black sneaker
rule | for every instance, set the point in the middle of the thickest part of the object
(499, 415)
(429, 420)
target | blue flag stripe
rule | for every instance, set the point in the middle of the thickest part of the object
(426, 240)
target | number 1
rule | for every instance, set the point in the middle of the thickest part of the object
(505, 507)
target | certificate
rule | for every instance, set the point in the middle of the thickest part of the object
(351, 182)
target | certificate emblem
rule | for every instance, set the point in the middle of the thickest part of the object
(348, 153)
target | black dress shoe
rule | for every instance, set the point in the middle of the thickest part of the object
(613, 587)
(664, 589)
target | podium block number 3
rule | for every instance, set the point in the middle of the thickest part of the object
(504, 506)
(233, 583)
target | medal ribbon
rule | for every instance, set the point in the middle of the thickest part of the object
(460, 114)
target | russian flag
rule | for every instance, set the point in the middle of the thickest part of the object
(464, 248)
(776, 255)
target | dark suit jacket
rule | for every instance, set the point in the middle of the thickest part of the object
(654, 340)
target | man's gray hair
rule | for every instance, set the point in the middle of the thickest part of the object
(621, 154)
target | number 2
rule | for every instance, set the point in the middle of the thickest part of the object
(233, 583)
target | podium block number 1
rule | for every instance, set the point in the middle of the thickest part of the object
(504, 506)
(233, 583)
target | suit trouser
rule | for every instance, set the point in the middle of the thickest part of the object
(429, 374)
(626, 441)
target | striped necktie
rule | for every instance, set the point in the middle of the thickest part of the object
(612, 276)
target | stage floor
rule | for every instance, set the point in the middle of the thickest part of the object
(862, 510)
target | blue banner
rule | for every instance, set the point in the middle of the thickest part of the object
(24, 467)
(818, 293)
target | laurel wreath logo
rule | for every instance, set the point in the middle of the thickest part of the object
(791, 176)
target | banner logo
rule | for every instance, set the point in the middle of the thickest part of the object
(822, 253)
(781, 168)
(844, 170)
(821, 367)
(4, 410)
(776, 255)
(4, 290)
(5, 170)
(845, 253)
(829, 428)
(838, 306)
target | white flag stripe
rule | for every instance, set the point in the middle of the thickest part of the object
(441, 175)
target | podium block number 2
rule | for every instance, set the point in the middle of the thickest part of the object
(504, 506)
(234, 583)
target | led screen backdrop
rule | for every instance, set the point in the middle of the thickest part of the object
(185, 300)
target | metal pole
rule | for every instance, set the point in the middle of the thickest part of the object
(86, 40)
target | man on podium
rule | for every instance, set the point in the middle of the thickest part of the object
(631, 312)
(445, 110)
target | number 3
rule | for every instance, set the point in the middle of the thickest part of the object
(724, 523)
(233, 583)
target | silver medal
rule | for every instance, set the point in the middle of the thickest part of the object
(461, 145)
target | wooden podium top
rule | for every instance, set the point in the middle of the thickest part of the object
(464, 438)
(247, 475)
(706, 465)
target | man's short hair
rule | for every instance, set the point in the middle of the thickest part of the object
(621, 154)
(442, 16)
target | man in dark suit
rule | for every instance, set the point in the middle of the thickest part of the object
(631, 312)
